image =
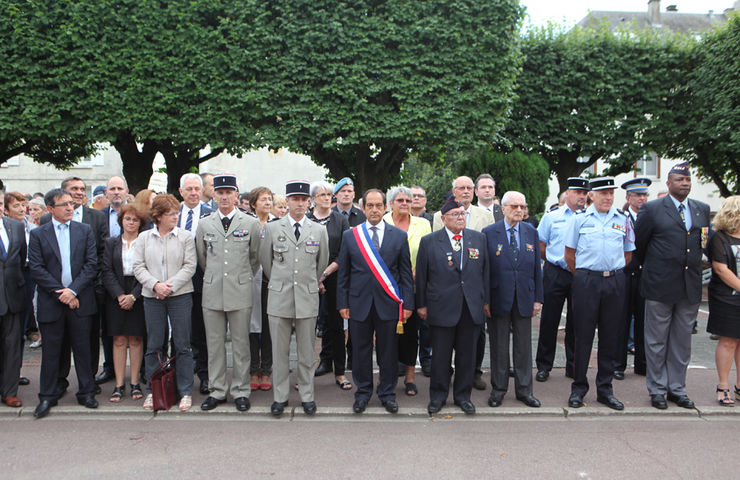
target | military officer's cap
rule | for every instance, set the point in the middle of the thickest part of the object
(577, 183)
(297, 187)
(450, 204)
(602, 183)
(681, 169)
(343, 182)
(637, 185)
(224, 180)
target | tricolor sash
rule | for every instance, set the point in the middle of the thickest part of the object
(379, 269)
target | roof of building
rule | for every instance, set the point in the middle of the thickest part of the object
(674, 21)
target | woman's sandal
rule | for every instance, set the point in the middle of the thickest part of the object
(411, 389)
(185, 403)
(265, 383)
(344, 384)
(136, 392)
(726, 400)
(149, 402)
(254, 383)
(117, 394)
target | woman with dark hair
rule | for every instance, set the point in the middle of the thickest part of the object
(164, 264)
(123, 304)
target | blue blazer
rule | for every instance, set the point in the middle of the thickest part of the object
(522, 278)
(45, 263)
(441, 287)
(357, 288)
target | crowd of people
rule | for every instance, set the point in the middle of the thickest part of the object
(147, 277)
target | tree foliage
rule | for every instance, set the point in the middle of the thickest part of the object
(435, 177)
(590, 94)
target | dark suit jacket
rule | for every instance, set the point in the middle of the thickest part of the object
(12, 285)
(357, 288)
(97, 220)
(112, 270)
(356, 216)
(441, 287)
(498, 213)
(522, 278)
(670, 257)
(205, 210)
(45, 263)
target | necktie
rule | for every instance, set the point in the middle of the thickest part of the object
(189, 221)
(374, 238)
(513, 244)
(226, 221)
(2, 249)
(681, 209)
(297, 230)
(65, 254)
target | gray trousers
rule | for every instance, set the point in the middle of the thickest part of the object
(11, 353)
(498, 330)
(305, 335)
(668, 345)
(216, 322)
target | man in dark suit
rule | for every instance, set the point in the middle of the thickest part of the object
(64, 265)
(12, 305)
(516, 295)
(191, 211)
(75, 187)
(452, 292)
(374, 304)
(345, 193)
(670, 235)
(485, 190)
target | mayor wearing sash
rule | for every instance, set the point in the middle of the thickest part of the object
(375, 292)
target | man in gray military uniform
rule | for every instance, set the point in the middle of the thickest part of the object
(227, 242)
(293, 254)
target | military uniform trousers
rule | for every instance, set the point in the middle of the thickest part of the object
(305, 335)
(634, 308)
(215, 322)
(598, 301)
(557, 285)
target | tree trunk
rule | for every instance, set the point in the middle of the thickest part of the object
(137, 164)
(181, 160)
(359, 164)
(566, 165)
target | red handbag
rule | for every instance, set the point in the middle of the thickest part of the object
(164, 384)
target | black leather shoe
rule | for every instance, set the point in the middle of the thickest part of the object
(204, 390)
(211, 402)
(619, 375)
(309, 408)
(466, 406)
(104, 376)
(529, 400)
(575, 401)
(681, 400)
(43, 408)
(426, 370)
(434, 407)
(277, 408)
(88, 402)
(478, 383)
(512, 373)
(611, 402)
(242, 404)
(359, 406)
(658, 401)
(495, 400)
(542, 375)
(322, 369)
(391, 406)
(23, 381)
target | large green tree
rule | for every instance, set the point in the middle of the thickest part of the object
(591, 94)
(360, 84)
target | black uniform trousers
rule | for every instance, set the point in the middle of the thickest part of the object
(386, 349)
(598, 301)
(634, 307)
(557, 284)
(462, 338)
(76, 329)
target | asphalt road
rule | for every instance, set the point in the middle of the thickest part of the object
(86, 447)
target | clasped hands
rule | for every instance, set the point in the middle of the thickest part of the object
(68, 298)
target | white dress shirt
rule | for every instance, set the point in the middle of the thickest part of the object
(184, 217)
(381, 231)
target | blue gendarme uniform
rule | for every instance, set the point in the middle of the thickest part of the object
(600, 240)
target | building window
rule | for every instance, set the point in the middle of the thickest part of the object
(649, 166)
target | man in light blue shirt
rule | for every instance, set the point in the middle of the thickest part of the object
(557, 280)
(598, 244)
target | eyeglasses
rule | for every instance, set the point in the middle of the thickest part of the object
(170, 214)
(515, 207)
(131, 219)
(402, 200)
(455, 215)
(63, 204)
(464, 187)
(418, 195)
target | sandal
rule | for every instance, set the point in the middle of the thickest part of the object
(185, 403)
(411, 389)
(149, 402)
(344, 384)
(726, 400)
(136, 392)
(254, 383)
(117, 394)
(265, 383)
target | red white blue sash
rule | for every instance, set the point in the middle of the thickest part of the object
(378, 267)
